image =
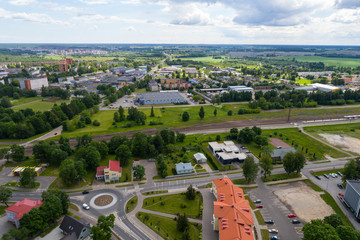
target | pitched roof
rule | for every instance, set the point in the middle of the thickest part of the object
(71, 225)
(100, 170)
(281, 152)
(199, 156)
(183, 166)
(23, 206)
(233, 211)
(114, 166)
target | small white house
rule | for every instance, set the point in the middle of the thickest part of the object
(200, 158)
(183, 168)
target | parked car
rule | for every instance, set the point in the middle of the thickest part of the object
(273, 238)
(257, 201)
(326, 176)
(340, 186)
(259, 206)
(269, 221)
(136, 159)
(295, 221)
(151, 160)
(273, 231)
(340, 174)
(340, 194)
(317, 177)
(85, 192)
(292, 215)
(85, 206)
(333, 175)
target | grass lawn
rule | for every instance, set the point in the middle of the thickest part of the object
(174, 204)
(154, 192)
(51, 171)
(331, 202)
(280, 176)
(351, 130)
(303, 81)
(28, 163)
(131, 204)
(74, 207)
(259, 217)
(301, 142)
(312, 185)
(328, 61)
(327, 171)
(17, 184)
(265, 234)
(40, 105)
(252, 205)
(241, 181)
(23, 100)
(85, 182)
(166, 227)
(2, 209)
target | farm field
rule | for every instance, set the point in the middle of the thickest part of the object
(208, 59)
(328, 61)
(352, 130)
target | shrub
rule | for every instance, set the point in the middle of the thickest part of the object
(96, 123)
(230, 112)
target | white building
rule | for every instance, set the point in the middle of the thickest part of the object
(200, 158)
(240, 89)
(34, 83)
(183, 168)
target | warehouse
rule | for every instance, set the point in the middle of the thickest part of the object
(159, 98)
(240, 89)
(352, 197)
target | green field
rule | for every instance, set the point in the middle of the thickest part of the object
(174, 203)
(171, 117)
(303, 81)
(40, 105)
(20, 101)
(208, 59)
(131, 204)
(166, 227)
(328, 61)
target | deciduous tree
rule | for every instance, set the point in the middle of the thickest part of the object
(139, 172)
(102, 230)
(250, 169)
(5, 194)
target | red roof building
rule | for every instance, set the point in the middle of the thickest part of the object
(16, 211)
(109, 173)
(232, 213)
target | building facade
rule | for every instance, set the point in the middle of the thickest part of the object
(109, 173)
(16, 211)
(352, 197)
(184, 168)
(34, 83)
(159, 98)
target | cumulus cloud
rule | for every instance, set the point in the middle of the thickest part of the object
(95, 2)
(30, 17)
(131, 29)
(190, 14)
(22, 2)
(347, 4)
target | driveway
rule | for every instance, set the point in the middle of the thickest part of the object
(5, 225)
(208, 211)
(150, 169)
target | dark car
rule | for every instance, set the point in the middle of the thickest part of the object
(295, 221)
(317, 177)
(326, 176)
(340, 174)
(85, 192)
(340, 186)
(269, 221)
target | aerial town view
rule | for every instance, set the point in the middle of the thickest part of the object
(180, 120)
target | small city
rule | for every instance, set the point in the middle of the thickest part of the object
(179, 120)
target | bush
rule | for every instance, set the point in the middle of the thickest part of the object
(96, 123)
(230, 113)
(241, 111)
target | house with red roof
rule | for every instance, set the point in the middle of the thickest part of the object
(232, 213)
(16, 211)
(109, 173)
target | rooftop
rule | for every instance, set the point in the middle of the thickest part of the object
(281, 152)
(114, 166)
(183, 166)
(23, 206)
(159, 95)
(354, 184)
(72, 225)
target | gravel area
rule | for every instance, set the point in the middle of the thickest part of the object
(103, 200)
(344, 142)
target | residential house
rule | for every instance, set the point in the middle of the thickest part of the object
(74, 229)
(232, 216)
(16, 211)
(109, 173)
(184, 168)
(278, 154)
(200, 158)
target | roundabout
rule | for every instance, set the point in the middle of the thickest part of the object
(103, 200)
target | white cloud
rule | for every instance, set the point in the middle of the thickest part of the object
(347, 4)
(91, 18)
(131, 29)
(190, 14)
(95, 2)
(30, 17)
(22, 2)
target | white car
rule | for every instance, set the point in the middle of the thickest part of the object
(85, 206)
(273, 231)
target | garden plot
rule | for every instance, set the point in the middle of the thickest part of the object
(345, 142)
(305, 202)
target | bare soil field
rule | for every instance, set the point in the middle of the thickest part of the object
(306, 203)
(276, 142)
(344, 142)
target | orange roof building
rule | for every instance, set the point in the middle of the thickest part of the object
(232, 213)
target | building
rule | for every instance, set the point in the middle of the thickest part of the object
(16, 211)
(184, 168)
(18, 170)
(154, 87)
(278, 154)
(159, 98)
(191, 70)
(63, 66)
(352, 197)
(232, 213)
(74, 229)
(318, 87)
(240, 89)
(109, 173)
(200, 158)
(34, 83)
(227, 152)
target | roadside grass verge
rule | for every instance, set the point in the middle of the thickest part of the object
(17, 184)
(126, 185)
(265, 234)
(252, 205)
(241, 181)
(73, 207)
(166, 227)
(312, 185)
(154, 192)
(131, 204)
(327, 171)
(259, 217)
(280, 176)
(332, 203)
(174, 204)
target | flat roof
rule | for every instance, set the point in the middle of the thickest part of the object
(159, 95)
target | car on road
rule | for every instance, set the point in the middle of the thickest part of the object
(85, 192)
(292, 215)
(85, 206)
(259, 206)
(295, 221)
(257, 201)
(273, 238)
(269, 221)
(273, 231)
(341, 194)
(317, 177)
(326, 176)
(340, 174)
(339, 186)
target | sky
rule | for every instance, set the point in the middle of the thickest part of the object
(302, 22)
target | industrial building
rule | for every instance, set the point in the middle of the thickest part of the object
(318, 87)
(240, 89)
(164, 97)
(232, 216)
(34, 83)
(352, 197)
(227, 152)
